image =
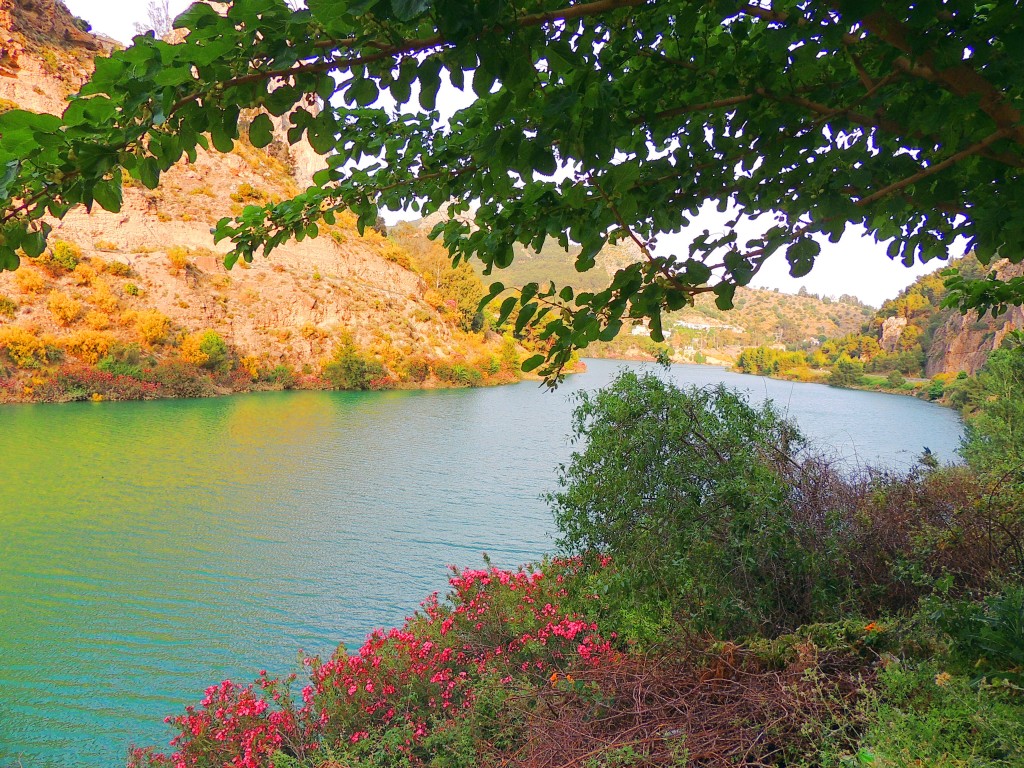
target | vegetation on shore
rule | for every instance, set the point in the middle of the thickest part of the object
(722, 596)
(80, 327)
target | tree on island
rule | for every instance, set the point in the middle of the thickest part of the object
(592, 122)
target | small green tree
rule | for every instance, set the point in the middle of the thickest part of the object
(351, 368)
(994, 437)
(847, 372)
(687, 490)
(216, 351)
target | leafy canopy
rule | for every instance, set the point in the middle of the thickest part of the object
(592, 122)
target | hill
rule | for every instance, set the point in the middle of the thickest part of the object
(911, 335)
(700, 333)
(144, 294)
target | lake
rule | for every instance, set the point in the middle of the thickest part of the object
(150, 549)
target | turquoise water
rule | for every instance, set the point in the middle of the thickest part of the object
(150, 549)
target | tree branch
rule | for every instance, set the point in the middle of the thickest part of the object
(974, 149)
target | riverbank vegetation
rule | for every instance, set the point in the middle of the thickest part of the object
(77, 326)
(722, 596)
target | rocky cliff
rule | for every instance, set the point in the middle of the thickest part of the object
(964, 342)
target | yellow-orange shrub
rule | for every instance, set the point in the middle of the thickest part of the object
(102, 296)
(190, 352)
(118, 268)
(178, 257)
(84, 274)
(251, 365)
(25, 349)
(152, 326)
(89, 346)
(96, 320)
(65, 310)
(29, 281)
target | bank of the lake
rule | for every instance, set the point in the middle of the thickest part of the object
(151, 548)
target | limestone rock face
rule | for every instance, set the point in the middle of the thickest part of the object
(892, 330)
(964, 342)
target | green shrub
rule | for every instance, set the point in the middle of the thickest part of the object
(122, 360)
(179, 379)
(216, 350)
(994, 439)
(687, 491)
(352, 369)
(846, 372)
(119, 269)
(61, 257)
(416, 368)
(895, 380)
(281, 376)
(925, 716)
(989, 636)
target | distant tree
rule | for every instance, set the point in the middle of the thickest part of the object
(158, 19)
(846, 372)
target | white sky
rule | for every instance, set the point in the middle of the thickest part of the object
(856, 265)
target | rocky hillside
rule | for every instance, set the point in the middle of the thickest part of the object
(912, 335)
(946, 341)
(964, 342)
(149, 284)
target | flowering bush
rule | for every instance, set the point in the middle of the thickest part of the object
(432, 686)
(82, 382)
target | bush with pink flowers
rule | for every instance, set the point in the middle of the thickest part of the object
(450, 681)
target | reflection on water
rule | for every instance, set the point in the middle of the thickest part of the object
(149, 549)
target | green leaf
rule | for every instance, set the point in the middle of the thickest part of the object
(528, 292)
(10, 173)
(363, 92)
(9, 260)
(533, 363)
(149, 172)
(222, 142)
(34, 243)
(261, 131)
(108, 194)
(405, 10)
(801, 255)
(724, 293)
(507, 306)
(321, 133)
(495, 290)
(525, 315)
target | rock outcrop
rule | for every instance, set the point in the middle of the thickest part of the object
(964, 342)
(892, 330)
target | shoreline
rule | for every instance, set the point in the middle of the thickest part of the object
(204, 385)
(913, 387)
